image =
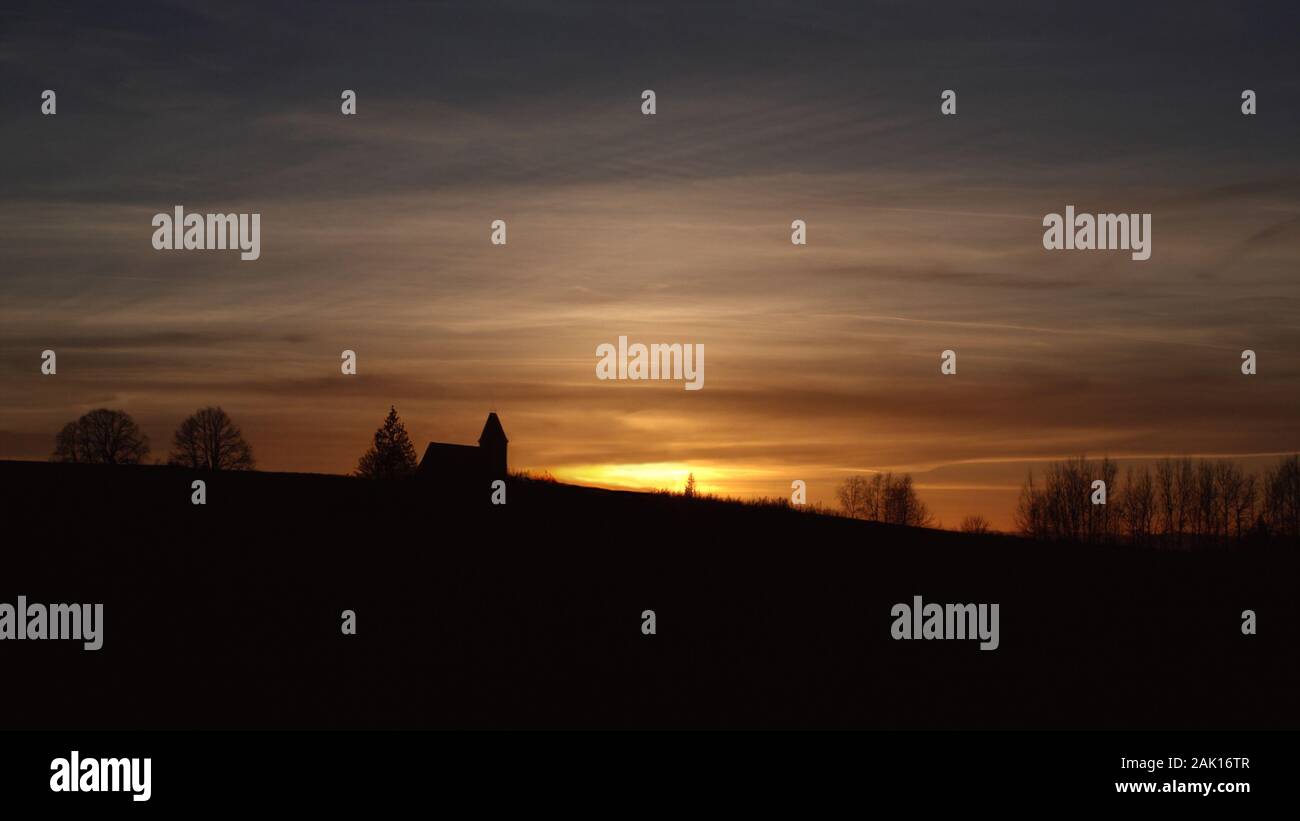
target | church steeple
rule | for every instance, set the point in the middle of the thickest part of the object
(492, 432)
(493, 442)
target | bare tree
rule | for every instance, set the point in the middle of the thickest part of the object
(1102, 524)
(103, 436)
(1247, 502)
(209, 440)
(884, 498)
(975, 523)
(1183, 503)
(1062, 509)
(1138, 505)
(1204, 522)
(1185, 486)
(1031, 513)
(1166, 498)
(903, 506)
(873, 500)
(65, 445)
(1229, 485)
(852, 493)
(1282, 499)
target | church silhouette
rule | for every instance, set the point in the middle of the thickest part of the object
(443, 461)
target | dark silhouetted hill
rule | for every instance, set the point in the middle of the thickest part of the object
(529, 614)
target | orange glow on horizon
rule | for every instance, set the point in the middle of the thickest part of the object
(714, 479)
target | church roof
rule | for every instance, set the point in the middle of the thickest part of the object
(444, 447)
(492, 430)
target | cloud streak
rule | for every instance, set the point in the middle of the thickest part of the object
(924, 235)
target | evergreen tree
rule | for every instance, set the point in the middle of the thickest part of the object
(392, 456)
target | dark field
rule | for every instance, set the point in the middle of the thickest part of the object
(528, 614)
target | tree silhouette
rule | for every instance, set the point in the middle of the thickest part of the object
(860, 497)
(392, 456)
(1137, 504)
(903, 506)
(690, 486)
(103, 437)
(66, 448)
(885, 497)
(975, 523)
(209, 440)
(1282, 498)
(1180, 503)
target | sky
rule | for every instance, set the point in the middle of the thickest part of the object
(924, 233)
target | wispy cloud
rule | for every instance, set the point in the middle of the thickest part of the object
(924, 234)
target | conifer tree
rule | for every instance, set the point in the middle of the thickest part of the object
(392, 456)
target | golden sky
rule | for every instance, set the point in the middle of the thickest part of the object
(924, 234)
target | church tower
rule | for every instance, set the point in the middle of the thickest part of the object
(493, 443)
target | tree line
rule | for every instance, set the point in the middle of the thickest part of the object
(1177, 502)
(207, 439)
(884, 497)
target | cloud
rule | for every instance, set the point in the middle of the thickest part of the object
(925, 232)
